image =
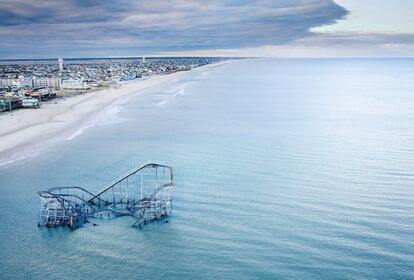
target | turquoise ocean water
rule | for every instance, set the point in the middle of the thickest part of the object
(285, 169)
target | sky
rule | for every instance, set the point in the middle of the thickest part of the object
(275, 28)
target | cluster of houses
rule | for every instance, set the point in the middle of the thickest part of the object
(27, 83)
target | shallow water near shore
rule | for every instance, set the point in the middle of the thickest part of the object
(291, 169)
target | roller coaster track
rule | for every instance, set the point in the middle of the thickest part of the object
(144, 193)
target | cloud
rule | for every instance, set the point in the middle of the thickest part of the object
(324, 45)
(72, 27)
(353, 39)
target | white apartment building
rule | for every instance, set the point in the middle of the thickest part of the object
(46, 82)
(10, 82)
(73, 84)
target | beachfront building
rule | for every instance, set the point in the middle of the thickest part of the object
(46, 82)
(10, 83)
(73, 84)
(26, 82)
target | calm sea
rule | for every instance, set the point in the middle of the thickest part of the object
(285, 169)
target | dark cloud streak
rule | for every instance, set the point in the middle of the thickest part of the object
(159, 25)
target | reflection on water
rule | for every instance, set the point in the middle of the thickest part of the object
(284, 169)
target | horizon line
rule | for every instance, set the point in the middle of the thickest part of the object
(182, 57)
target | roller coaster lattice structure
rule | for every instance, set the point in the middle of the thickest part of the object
(145, 194)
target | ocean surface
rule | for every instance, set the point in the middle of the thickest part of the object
(285, 169)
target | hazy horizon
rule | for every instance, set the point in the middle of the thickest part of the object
(52, 59)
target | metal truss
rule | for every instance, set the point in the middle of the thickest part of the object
(144, 193)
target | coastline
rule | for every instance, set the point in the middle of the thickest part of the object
(25, 132)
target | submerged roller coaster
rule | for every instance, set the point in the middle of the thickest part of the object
(145, 194)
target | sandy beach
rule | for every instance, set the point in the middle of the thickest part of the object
(24, 131)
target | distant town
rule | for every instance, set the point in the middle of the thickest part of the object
(26, 84)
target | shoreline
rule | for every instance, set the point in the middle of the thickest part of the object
(25, 133)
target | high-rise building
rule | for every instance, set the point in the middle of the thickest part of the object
(143, 59)
(60, 60)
